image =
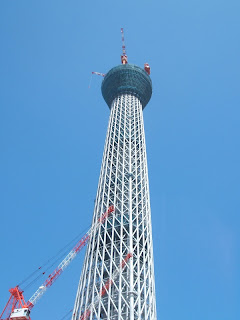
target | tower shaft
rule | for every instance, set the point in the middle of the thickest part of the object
(123, 183)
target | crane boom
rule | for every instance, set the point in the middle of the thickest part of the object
(16, 299)
(98, 73)
(67, 260)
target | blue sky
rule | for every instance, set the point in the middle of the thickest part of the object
(53, 127)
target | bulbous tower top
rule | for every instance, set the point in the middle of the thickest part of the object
(127, 78)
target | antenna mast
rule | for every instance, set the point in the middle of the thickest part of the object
(124, 58)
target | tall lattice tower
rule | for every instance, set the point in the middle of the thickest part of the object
(123, 183)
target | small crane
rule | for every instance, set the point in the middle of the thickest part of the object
(16, 307)
(147, 68)
(124, 58)
(98, 73)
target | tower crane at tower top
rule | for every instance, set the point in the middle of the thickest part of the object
(124, 57)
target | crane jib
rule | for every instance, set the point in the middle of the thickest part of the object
(17, 300)
(81, 243)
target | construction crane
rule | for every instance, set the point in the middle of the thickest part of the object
(98, 73)
(106, 287)
(147, 68)
(124, 58)
(17, 308)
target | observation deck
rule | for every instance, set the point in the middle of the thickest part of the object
(127, 78)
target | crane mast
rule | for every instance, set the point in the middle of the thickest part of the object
(124, 58)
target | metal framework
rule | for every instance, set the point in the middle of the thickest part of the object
(123, 183)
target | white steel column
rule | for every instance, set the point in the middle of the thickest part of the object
(131, 296)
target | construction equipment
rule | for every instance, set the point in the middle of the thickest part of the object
(16, 307)
(98, 73)
(124, 58)
(147, 68)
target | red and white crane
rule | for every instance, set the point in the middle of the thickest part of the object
(124, 58)
(16, 307)
(98, 73)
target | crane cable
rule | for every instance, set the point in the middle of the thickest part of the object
(59, 255)
(67, 315)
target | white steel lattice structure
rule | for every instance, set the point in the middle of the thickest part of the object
(123, 183)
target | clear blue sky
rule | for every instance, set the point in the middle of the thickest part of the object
(52, 130)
